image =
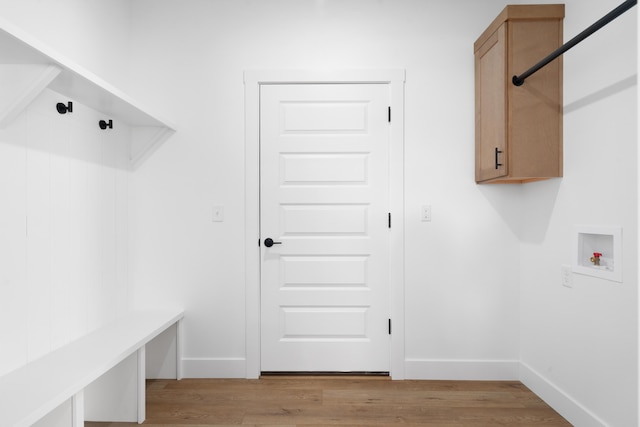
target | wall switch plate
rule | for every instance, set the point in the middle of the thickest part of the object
(425, 213)
(218, 214)
(567, 276)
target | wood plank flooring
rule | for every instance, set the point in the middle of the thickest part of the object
(341, 401)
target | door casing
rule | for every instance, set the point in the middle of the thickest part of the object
(253, 79)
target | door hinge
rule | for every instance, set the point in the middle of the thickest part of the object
(389, 114)
(389, 326)
(389, 219)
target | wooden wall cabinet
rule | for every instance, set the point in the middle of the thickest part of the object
(519, 128)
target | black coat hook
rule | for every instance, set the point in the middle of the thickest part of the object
(104, 125)
(62, 109)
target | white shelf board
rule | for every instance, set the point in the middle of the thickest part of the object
(74, 81)
(29, 393)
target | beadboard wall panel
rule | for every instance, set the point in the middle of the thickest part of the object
(63, 229)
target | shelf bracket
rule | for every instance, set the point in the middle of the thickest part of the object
(145, 140)
(27, 82)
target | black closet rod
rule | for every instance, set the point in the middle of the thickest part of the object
(519, 80)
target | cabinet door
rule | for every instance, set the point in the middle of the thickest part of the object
(491, 107)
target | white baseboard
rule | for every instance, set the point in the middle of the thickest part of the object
(566, 406)
(214, 368)
(477, 370)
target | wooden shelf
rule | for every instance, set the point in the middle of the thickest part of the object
(29, 66)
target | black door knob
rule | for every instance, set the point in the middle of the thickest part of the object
(268, 242)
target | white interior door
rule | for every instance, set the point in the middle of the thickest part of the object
(324, 201)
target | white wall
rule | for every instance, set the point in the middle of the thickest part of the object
(583, 340)
(482, 279)
(63, 193)
(461, 269)
(482, 285)
(63, 228)
(93, 33)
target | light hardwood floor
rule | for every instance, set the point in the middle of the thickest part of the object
(342, 401)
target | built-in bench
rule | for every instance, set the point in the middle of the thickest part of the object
(60, 378)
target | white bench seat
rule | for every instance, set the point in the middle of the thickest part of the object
(31, 392)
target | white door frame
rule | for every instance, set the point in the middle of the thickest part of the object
(395, 78)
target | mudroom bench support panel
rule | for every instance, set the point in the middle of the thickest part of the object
(102, 372)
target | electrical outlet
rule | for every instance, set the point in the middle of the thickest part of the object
(567, 276)
(425, 213)
(218, 214)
